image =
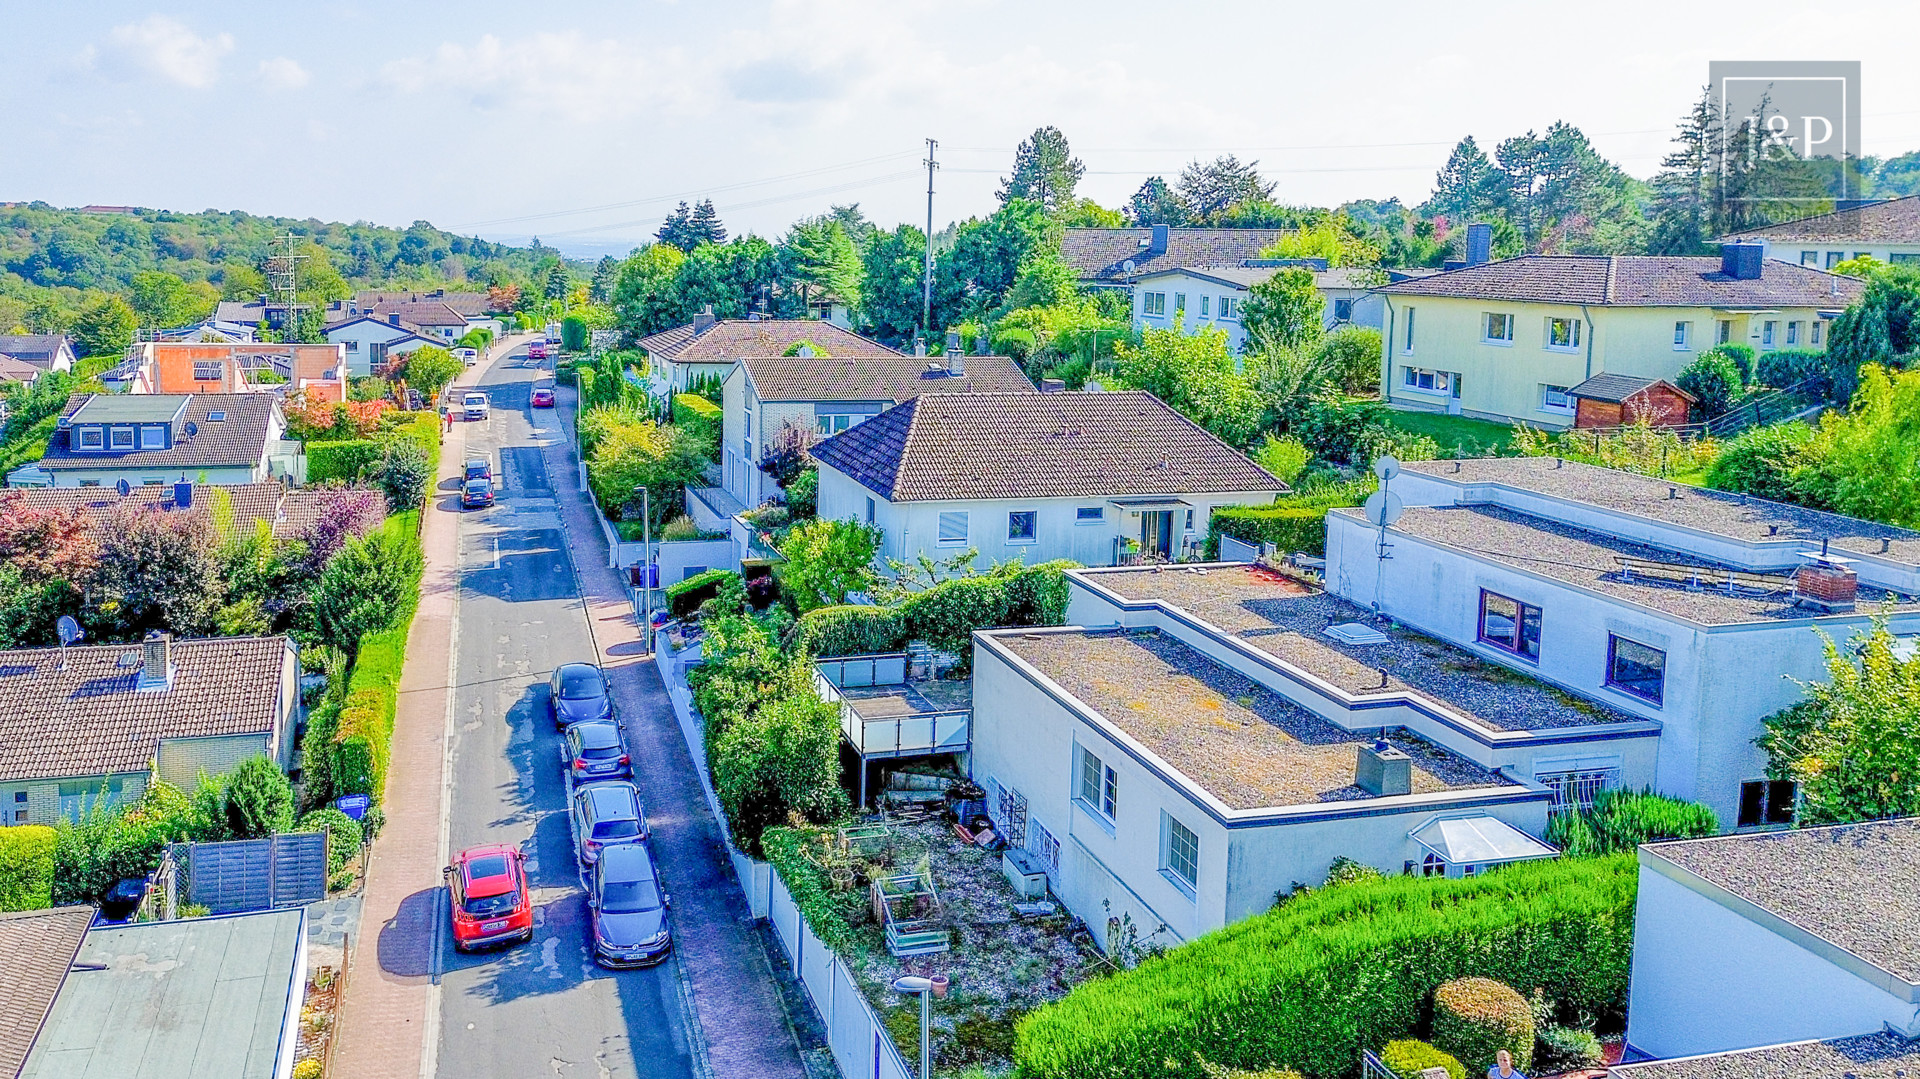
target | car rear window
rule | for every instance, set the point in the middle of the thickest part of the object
(616, 829)
(600, 753)
(629, 896)
(581, 685)
(490, 905)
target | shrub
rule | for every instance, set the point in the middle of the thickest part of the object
(259, 800)
(1015, 343)
(826, 559)
(1215, 1071)
(803, 494)
(1286, 458)
(779, 759)
(26, 867)
(402, 472)
(1349, 431)
(340, 462)
(1621, 820)
(343, 842)
(685, 597)
(1309, 984)
(946, 615)
(112, 844)
(1288, 527)
(1564, 1049)
(1790, 367)
(364, 730)
(429, 369)
(1038, 595)
(573, 333)
(1713, 379)
(310, 1068)
(368, 586)
(1407, 1059)
(848, 631)
(698, 415)
(1345, 870)
(1742, 358)
(1760, 461)
(786, 850)
(1473, 1018)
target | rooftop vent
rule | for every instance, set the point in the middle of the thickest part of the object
(1742, 261)
(1052, 385)
(919, 346)
(1826, 583)
(1356, 633)
(156, 661)
(956, 357)
(1383, 771)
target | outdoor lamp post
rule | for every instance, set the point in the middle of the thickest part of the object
(927, 989)
(646, 567)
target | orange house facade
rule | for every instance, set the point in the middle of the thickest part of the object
(210, 367)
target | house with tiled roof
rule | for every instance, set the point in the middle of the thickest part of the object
(1100, 478)
(1790, 953)
(1199, 298)
(88, 724)
(161, 438)
(1508, 340)
(47, 351)
(1114, 257)
(1885, 229)
(40, 946)
(708, 347)
(288, 511)
(371, 341)
(317, 370)
(12, 370)
(818, 392)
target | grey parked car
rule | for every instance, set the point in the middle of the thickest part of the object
(607, 815)
(629, 909)
(594, 751)
(578, 691)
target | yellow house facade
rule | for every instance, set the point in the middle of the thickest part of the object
(1508, 340)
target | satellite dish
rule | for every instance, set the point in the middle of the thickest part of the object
(1387, 467)
(1383, 508)
(69, 630)
(1128, 266)
(124, 488)
(192, 428)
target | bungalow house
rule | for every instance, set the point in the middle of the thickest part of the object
(1784, 954)
(1113, 257)
(431, 318)
(1690, 611)
(12, 370)
(1208, 298)
(220, 438)
(708, 347)
(88, 724)
(369, 341)
(213, 998)
(47, 351)
(472, 306)
(816, 394)
(1184, 751)
(1508, 340)
(1099, 478)
(319, 371)
(1888, 230)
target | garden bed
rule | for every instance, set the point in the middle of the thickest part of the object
(318, 1015)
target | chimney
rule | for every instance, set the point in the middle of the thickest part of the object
(1451, 265)
(1158, 246)
(183, 495)
(919, 346)
(956, 360)
(704, 321)
(1826, 583)
(1742, 261)
(953, 340)
(1052, 385)
(156, 667)
(1383, 771)
(1479, 243)
(980, 343)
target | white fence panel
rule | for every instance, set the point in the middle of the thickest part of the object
(1237, 550)
(786, 920)
(850, 1026)
(890, 1064)
(816, 969)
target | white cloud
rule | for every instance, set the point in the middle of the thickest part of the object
(283, 73)
(166, 48)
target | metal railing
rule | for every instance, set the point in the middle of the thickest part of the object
(907, 734)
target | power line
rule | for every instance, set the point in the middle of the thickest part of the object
(850, 185)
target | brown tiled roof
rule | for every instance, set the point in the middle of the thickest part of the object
(13, 369)
(288, 511)
(471, 304)
(886, 376)
(1100, 254)
(39, 946)
(1894, 221)
(1616, 388)
(38, 349)
(731, 339)
(1054, 445)
(238, 440)
(302, 507)
(1635, 281)
(91, 719)
(422, 313)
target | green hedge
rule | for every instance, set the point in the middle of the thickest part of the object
(26, 867)
(946, 615)
(363, 730)
(1038, 595)
(685, 597)
(1288, 528)
(1310, 984)
(341, 462)
(699, 415)
(1475, 1018)
(1407, 1059)
(785, 849)
(848, 630)
(1621, 820)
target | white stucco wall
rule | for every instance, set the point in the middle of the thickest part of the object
(1706, 979)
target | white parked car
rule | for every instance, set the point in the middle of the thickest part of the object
(475, 405)
(468, 356)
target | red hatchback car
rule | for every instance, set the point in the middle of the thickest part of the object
(490, 901)
(543, 397)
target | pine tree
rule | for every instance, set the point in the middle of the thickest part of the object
(1044, 171)
(705, 225)
(1686, 189)
(558, 282)
(1466, 186)
(601, 288)
(1209, 189)
(1156, 204)
(678, 230)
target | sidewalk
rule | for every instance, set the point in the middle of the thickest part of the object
(742, 1020)
(383, 1021)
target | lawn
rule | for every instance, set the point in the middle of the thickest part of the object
(1458, 436)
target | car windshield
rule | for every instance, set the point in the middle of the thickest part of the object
(581, 685)
(616, 829)
(629, 896)
(489, 906)
(476, 399)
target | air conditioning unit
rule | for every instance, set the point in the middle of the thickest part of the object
(1025, 873)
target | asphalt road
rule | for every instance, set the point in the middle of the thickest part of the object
(543, 1008)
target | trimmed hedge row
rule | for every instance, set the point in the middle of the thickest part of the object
(1296, 523)
(362, 732)
(946, 615)
(340, 462)
(848, 630)
(1621, 820)
(26, 867)
(685, 596)
(1310, 984)
(699, 415)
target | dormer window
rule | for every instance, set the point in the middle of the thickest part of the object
(92, 438)
(153, 438)
(121, 438)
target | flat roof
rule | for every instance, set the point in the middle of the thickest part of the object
(1714, 512)
(1287, 620)
(200, 998)
(1850, 885)
(1867, 1056)
(916, 698)
(129, 407)
(1591, 560)
(1244, 744)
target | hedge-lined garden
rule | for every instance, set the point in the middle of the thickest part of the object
(26, 867)
(1312, 982)
(1292, 523)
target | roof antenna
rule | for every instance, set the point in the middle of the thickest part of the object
(69, 631)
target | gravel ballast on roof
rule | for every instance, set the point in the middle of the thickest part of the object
(1850, 885)
(1242, 743)
(1286, 620)
(1868, 1056)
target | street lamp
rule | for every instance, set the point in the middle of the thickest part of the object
(927, 989)
(646, 567)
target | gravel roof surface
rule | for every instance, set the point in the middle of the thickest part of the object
(1587, 559)
(1852, 885)
(1714, 512)
(1869, 1056)
(1286, 620)
(1243, 743)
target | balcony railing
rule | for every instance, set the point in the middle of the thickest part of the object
(907, 734)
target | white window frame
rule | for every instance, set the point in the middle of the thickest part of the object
(1723, 333)
(1767, 332)
(352, 345)
(1835, 258)
(1683, 337)
(1407, 348)
(1810, 258)
(153, 437)
(1154, 304)
(1096, 787)
(1572, 326)
(1206, 303)
(1486, 329)
(1229, 307)
(93, 438)
(1033, 527)
(1340, 302)
(832, 423)
(870, 510)
(1090, 515)
(113, 438)
(1793, 333)
(1547, 395)
(1179, 303)
(1188, 886)
(1817, 332)
(952, 517)
(1440, 383)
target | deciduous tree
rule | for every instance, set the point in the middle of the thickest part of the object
(1853, 744)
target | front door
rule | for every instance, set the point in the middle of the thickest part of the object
(1453, 402)
(1156, 533)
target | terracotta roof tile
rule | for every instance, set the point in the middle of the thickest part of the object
(1635, 281)
(1100, 254)
(732, 339)
(91, 719)
(39, 946)
(1056, 445)
(889, 376)
(1893, 221)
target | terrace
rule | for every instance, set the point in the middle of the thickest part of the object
(1244, 744)
(1290, 620)
(885, 712)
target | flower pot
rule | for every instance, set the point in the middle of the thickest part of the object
(939, 986)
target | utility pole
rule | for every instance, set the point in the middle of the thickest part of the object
(926, 304)
(283, 276)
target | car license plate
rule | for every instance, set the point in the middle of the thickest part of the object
(493, 927)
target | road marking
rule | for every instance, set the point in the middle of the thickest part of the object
(430, 1040)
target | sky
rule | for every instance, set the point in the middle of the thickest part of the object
(584, 122)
